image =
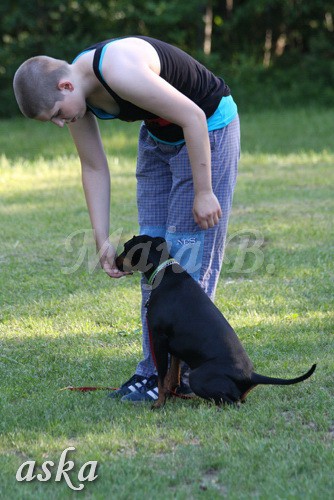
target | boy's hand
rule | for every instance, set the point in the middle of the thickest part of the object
(108, 263)
(206, 210)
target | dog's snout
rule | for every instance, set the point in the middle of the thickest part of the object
(119, 262)
(123, 263)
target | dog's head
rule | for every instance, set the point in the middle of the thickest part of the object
(142, 253)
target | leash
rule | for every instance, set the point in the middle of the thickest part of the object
(88, 388)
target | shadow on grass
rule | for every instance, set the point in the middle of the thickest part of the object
(37, 277)
(35, 369)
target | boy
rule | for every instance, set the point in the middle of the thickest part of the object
(187, 155)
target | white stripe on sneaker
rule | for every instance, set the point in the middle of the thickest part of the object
(137, 386)
(153, 394)
(140, 384)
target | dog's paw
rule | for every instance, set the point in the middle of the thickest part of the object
(157, 405)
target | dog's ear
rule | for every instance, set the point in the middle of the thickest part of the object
(161, 245)
(137, 252)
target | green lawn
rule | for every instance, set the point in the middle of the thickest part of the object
(59, 328)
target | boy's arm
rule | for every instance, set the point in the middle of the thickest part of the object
(132, 79)
(96, 184)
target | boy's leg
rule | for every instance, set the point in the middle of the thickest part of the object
(201, 252)
(225, 158)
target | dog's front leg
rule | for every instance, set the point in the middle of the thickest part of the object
(160, 402)
(174, 374)
(160, 347)
(169, 383)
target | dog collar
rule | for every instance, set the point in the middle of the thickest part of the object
(162, 266)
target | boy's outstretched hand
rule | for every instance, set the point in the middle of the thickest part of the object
(108, 263)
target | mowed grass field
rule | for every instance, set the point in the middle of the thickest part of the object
(64, 322)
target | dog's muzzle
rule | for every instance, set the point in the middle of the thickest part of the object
(119, 262)
(123, 264)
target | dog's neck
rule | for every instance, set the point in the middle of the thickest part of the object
(151, 276)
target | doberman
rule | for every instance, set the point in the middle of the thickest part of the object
(184, 322)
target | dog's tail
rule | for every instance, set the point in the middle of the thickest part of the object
(262, 379)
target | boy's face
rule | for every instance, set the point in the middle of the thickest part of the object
(69, 110)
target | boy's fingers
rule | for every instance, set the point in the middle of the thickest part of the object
(116, 273)
(208, 221)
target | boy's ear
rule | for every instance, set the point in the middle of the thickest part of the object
(65, 85)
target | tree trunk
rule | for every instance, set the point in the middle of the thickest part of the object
(208, 18)
(267, 47)
(229, 6)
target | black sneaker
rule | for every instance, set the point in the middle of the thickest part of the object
(148, 392)
(134, 384)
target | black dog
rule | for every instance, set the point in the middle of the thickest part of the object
(184, 322)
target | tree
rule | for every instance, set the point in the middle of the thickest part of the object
(252, 41)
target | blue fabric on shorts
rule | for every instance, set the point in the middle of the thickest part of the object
(165, 197)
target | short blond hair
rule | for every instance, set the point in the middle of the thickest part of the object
(36, 84)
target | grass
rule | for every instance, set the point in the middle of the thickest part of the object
(59, 329)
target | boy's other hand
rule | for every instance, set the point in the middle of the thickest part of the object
(206, 210)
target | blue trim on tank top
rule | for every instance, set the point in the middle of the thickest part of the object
(100, 113)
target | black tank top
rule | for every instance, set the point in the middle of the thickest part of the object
(181, 71)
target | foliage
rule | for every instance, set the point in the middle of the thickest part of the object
(256, 45)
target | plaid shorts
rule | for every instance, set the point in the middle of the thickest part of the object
(165, 196)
